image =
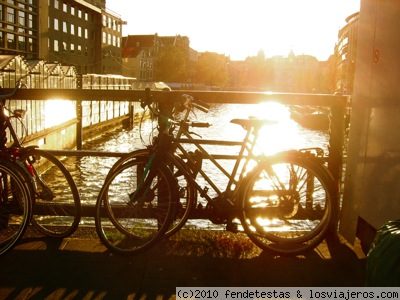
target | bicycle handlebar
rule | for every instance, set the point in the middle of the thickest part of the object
(204, 107)
(200, 124)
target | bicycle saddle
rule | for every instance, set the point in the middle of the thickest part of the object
(252, 123)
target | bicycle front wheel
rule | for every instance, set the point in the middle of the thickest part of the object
(128, 223)
(186, 191)
(15, 205)
(287, 203)
(57, 205)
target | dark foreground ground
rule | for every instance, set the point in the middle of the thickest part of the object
(79, 267)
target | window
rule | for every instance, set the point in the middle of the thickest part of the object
(86, 34)
(64, 46)
(104, 37)
(55, 46)
(79, 31)
(30, 45)
(114, 41)
(72, 29)
(56, 24)
(72, 10)
(118, 42)
(30, 21)
(72, 47)
(104, 21)
(65, 7)
(10, 15)
(79, 13)
(109, 39)
(21, 43)
(86, 16)
(79, 48)
(56, 4)
(11, 41)
(21, 18)
(65, 27)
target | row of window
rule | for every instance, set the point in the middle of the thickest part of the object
(28, 5)
(70, 9)
(17, 42)
(69, 28)
(111, 40)
(59, 46)
(111, 23)
(15, 16)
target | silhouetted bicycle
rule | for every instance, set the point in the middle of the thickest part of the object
(284, 202)
(53, 193)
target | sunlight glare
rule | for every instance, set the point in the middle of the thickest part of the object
(280, 136)
(57, 111)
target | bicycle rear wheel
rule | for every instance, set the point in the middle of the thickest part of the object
(15, 205)
(287, 203)
(57, 205)
(128, 223)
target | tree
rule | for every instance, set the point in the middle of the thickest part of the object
(171, 64)
(212, 69)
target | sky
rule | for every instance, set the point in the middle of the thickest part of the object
(241, 28)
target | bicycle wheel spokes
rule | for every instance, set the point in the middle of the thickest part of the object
(57, 207)
(286, 205)
(15, 207)
(133, 213)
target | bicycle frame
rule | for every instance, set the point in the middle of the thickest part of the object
(242, 159)
(170, 144)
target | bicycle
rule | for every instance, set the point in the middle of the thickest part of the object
(15, 204)
(55, 198)
(284, 202)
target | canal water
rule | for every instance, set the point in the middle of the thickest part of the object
(282, 133)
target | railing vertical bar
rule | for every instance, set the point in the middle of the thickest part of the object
(336, 142)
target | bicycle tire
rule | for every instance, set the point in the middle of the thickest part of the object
(129, 228)
(15, 205)
(57, 205)
(187, 192)
(287, 204)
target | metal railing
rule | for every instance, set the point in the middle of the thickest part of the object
(336, 104)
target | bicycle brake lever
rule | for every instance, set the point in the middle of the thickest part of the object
(196, 134)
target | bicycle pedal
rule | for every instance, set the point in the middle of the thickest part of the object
(46, 195)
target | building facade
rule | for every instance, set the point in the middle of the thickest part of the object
(140, 52)
(345, 51)
(19, 28)
(82, 33)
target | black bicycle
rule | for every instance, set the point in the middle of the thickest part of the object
(284, 202)
(55, 198)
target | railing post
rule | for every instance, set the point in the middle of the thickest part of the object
(79, 115)
(336, 142)
(131, 114)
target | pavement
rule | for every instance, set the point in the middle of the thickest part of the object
(80, 267)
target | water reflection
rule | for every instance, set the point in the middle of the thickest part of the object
(283, 134)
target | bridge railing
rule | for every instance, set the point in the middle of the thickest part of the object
(336, 103)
